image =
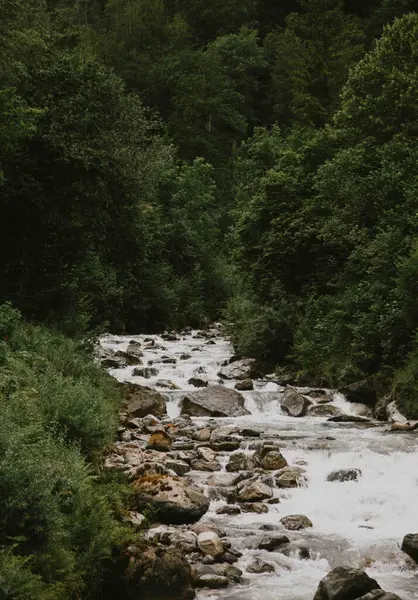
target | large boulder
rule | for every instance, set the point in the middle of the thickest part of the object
(142, 401)
(410, 545)
(246, 368)
(345, 583)
(156, 572)
(363, 391)
(294, 404)
(240, 461)
(175, 500)
(291, 477)
(273, 461)
(214, 401)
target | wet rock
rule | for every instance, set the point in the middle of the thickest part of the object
(142, 401)
(180, 467)
(214, 401)
(403, 427)
(198, 382)
(228, 443)
(182, 444)
(271, 543)
(209, 543)
(128, 358)
(185, 356)
(266, 447)
(223, 479)
(160, 440)
(203, 465)
(228, 509)
(324, 410)
(294, 404)
(345, 583)
(168, 360)
(296, 522)
(137, 519)
(253, 491)
(202, 435)
(233, 573)
(348, 419)
(241, 462)
(363, 391)
(255, 507)
(273, 461)
(410, 545)
(167, 384)
(243, 369)
(379, 595)
(175, 500)
(380, 410)
(248, 432)
(186, 540)
(290, 477)
(231, 557)
(199, 528)
(206, 454)
(156, 572)
(213, 582)
(259, 566)
(245, 385)
(170, 337)
(145, 372)
(342, 475)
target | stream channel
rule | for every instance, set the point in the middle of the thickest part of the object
(355, 523)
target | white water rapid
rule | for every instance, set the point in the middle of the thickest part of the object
(359, 524)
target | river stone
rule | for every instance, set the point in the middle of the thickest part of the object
(245, 385)
(246, 368)
(214, 401)
(213, 582)
(324, 410)
(240, 462)
(206, 454)
(259, 566)
(345, 583)
(255, 507)
(166, 383)
(142, 401)
(233, 573)
(187, 540)
(296, 522)
(348, 419)
(134, 348)
(290, 477)
(202, 435)
(342, 475)
(294, 404)
(272, 543)
(128, 358)
(379, 595)
(253, 491)
(273, 461)
(156, 572)
(410, 545)
(198, 382)
(228, 509)
(223, 479)
(180, 467)
(160, 440)
(209, 543)
(145, 372)
(175, 500)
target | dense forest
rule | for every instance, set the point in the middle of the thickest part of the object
(170, 162)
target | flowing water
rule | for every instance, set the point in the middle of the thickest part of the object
(360, 524)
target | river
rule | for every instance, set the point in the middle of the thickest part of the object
(355, 523)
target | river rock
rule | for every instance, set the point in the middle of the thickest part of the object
(160, 440)
(272, 543)
(187, 540)
(296, 522)
(228, 509)
(294, 404)
(255, 507)
(167, 384)
(380, 410)
(206, 454)
(180, 467)
(273, 461)
(410, 545)
(345, 583)
(245, 385)
(403, 427)
(233, 573)
(145, 372)
(213, 582)
(259, 566)
(175, 500)
(142, 401)
(204, 465)
(379, 595)
(393, 413)
(246, 368)
(290, 477)
(342, 475)
(156, 572)
(241, 462)
(134, 349)
(223, 479)
(209, 543)
(348, 419)
(198, 382)
(214, 401)
(324, 410)
(202, 435)
(253, 491)
(363, 391)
